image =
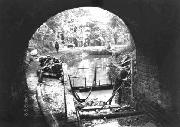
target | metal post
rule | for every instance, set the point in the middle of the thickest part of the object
(99, 83)
(73, 82)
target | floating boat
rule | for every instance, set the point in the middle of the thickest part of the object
(94, 87)
(89, 109)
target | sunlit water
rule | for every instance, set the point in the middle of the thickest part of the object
(81, 70)
(84, 71)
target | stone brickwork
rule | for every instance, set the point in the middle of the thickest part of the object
(153, 24)
(147, 91)
(147, 81)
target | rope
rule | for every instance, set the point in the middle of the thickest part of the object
(76, 96)
(74, 93)
(112, 96)
(89, 93)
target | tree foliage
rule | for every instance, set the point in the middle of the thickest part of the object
(78, 26)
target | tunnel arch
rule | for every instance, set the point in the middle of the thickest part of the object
(151, 49)
(147, 84)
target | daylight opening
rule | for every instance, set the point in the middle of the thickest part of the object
(83, 56)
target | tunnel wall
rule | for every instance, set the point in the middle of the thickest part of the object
(154, 26)
(147, 81)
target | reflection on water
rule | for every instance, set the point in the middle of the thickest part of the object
(84, 71)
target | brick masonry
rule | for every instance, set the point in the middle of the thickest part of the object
(156, 21)
(147, 79)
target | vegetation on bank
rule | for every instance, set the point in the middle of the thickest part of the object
(81, 27)
(71, 58)
(116, 61)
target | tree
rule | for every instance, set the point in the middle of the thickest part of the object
(120, 31)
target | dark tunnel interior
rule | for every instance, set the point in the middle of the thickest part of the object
(154, 26)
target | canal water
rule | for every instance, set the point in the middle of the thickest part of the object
(83, 72)
(80, 70)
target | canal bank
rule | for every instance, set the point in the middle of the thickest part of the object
(52, 94)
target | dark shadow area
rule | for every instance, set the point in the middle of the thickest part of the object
(154, 26)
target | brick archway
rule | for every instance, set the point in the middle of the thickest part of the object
(153, 25)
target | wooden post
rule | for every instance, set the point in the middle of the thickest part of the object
(111, 81)
(85, 82)
(132, 77)
(99, 83)
(73, 82)
(65, 104)
(95, 77)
